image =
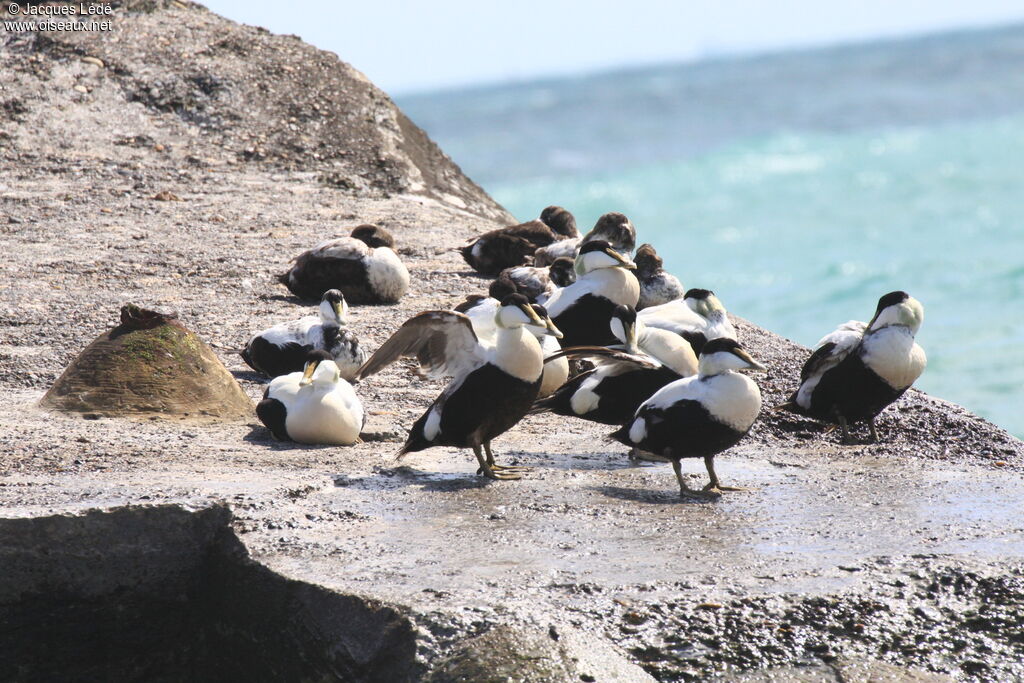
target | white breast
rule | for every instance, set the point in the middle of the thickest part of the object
(517, 352)
(317, 416)
(618, 285)
(556, 372)
(894, 356)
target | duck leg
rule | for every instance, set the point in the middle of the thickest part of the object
(487, 470)
(844, 425)
(497, 467)
(684, 490)
(874, 434)
(714, 486)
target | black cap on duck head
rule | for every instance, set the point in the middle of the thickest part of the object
(516, 300)
(560, 221)
(595, 245)
(891, 299)
(615, 228)
(374, 236)
(720, 344)
(647, 260)
(317, 355)
(697, 293)
(561, 271)
(540, 311)
(334, 296)
(625, 313)
(502, 287)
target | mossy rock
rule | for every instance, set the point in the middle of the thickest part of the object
(149, 365)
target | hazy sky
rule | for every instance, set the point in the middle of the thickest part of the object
(414, 46)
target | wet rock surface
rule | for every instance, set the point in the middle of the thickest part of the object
(906, 553)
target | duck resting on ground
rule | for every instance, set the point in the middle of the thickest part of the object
(583, 310)
(625, 376)
(492, 387)
(315, 406)
(860, 368)
(699, 416)
(613, 228)
(283, 348)
(493, 251)
(364, 266)
(698, 317)
(656, 285)
(538, 283)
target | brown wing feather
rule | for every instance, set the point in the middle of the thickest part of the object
(443, 342)
(603, 352)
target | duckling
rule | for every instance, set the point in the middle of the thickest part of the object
(860, 368)
(284, 347)
(364, 266)
(315, 406)
(699, 416)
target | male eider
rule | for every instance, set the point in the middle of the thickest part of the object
(620, 382)
(492, 387)
(860, 368)
(493, 251)
(698, 317)
(315, 406)
(613, 228)
(283, 348)
(538, 283)
(364, 266)
(656, 286)
(700, 416)
(583, 310)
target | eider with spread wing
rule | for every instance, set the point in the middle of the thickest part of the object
(493, 251)
(315, 406)
(699, 416)
(860, 368)
(364, 266)
(492, 387)
(283, 348)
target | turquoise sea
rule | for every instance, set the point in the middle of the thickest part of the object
(799, 186)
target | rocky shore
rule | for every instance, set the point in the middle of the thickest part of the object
(179, 161)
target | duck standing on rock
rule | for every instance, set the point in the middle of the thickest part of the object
(283, 348)
(364, 266)
(656, 285)
(860, 368)
(699, 416)
(493, 385)
(583, 310)
(496, 250)
(315, 406)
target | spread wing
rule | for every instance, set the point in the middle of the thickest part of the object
(442, 341)
(603, 355)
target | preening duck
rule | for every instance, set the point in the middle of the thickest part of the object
(364, 266)
(613, 228)
(314, 406)
(492, 387)
(699, 416)
(538, 283)
(493, 251)
(698, 317)
(656, 285)
(583, 310)
(860, 368)
(620, 382)
(283, 348)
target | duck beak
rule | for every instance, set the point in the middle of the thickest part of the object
(307, 374)
(631, 345)
(555, 332)
(749, 360)
(532, 315)
(626, 263)
(339, 310)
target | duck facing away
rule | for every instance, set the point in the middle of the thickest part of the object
(538, 283)
(364, 266)
(283, 348)
(492, 387)
(583, 310)
(315, 406)
(699, 416)
(860, 368)
(496, 250)
(657, 286)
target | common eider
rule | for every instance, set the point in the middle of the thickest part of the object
(620, 382)
(656, 285)
(364, 266)
(315, 406)
(699, 416)
(493, 251)
(492, 387)
(860, 368)
(613, 228)
(583, 310)
(698, 317)
(283, 348)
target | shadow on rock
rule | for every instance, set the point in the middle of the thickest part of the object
(666, 497)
